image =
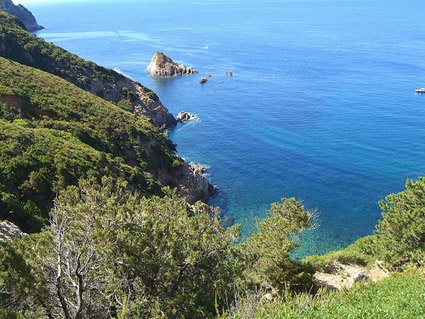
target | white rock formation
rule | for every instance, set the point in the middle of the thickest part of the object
(163, 66)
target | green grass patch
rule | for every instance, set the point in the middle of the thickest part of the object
(401, 296)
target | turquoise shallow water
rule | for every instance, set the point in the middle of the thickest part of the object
(322, 106)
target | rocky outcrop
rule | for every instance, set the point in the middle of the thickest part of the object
(22, 13)
(163, 66)
(186, 116)
(377, 272)
(142, 101)
(194, 185)
(9, 231)
(342, 276)
(190, 181)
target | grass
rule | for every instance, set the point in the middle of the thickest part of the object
(401, 296)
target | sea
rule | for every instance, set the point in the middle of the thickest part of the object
(321, 106)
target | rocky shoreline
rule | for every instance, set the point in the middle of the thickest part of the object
(190, 181)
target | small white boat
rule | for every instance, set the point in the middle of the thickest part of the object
(420, 91)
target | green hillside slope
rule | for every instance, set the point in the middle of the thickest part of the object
(63, 133)
(21, 46)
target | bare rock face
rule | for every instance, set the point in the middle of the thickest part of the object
(163, 66)
(343, 276)
(22, 13)
(194, 185)
(142, 101)
(9, 231)
(377, 272)
(190, 181)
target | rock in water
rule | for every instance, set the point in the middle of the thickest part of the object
(185, 117)
(22, 13)
(163, 66)
(203, 80)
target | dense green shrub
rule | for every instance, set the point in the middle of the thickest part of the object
(109, 252)
(266, 253)
(60, 134)
(399, 238)
(36, 163)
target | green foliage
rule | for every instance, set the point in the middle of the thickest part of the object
(266, 253)
(177, 163)
(15, 279)
(400, 296)
(57, 134)
(357, 253)
(37, 163)
(399, 238)
(124, 105)
(143, 257)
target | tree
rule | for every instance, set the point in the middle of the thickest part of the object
(267, 252)
(399, 237)
(112, 253)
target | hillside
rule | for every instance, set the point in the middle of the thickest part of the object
(19, 45)
(54, 133)
(112, 226)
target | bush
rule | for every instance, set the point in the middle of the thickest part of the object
(110, 252)
(265, 255)
(399, 237)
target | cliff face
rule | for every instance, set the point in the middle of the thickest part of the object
(163, 66)
(22, 13)
(18, 45)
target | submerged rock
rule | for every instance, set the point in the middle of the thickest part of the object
(163, 66)
(186, 116)
(203, 80)
(22, 13)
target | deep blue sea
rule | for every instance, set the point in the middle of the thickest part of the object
(321, 107)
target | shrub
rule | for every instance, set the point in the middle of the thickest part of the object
(265, 254)
(399, 237)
